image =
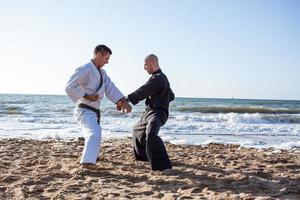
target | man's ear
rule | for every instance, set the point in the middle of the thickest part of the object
(152, 65)
(98, 55)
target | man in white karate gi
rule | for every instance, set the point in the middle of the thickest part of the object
(86, 87)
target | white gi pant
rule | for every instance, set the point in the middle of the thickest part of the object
(87, 120)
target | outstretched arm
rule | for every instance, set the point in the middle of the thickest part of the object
(152, 86)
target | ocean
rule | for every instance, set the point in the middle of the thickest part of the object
(192, 121)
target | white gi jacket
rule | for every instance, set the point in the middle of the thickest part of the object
(86, 80)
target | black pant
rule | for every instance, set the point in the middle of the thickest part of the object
(148, 146)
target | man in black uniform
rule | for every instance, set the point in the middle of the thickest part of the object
(148, 146)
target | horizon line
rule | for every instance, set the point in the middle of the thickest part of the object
(184, 97)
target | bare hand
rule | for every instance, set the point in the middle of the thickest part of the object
(119, 106)
(124, 106)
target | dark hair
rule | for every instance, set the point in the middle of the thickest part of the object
(102, 49)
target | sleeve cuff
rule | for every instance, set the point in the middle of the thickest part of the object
(132, 99)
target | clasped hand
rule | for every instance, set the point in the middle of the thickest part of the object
(124, 106)
(92, 97)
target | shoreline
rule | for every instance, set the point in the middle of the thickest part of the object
(49, 169)
(250, 141)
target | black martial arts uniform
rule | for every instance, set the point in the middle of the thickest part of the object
(148, 146)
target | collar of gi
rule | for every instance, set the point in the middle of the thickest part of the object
(156, 72)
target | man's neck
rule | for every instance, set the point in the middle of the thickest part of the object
(93, 61)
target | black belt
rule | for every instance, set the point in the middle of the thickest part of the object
(97, 111)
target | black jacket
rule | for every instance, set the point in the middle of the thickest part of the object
(157, 92)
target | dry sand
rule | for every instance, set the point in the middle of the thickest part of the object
(50, 170)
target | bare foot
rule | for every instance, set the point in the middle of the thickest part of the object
(88, 165)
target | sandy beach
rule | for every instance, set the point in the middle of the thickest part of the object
(50, 170)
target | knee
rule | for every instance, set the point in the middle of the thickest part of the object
(139, 130)
(93, 135)
(154, 123)
(153, 128)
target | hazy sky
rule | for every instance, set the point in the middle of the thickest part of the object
(224, 49)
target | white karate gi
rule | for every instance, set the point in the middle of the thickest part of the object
(86, 80)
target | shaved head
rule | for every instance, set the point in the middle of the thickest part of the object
(152, 58)
(151, 63)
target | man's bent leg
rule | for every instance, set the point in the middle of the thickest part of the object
(139, 141)
(155, 148)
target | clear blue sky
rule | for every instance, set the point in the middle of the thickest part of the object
(223, 49)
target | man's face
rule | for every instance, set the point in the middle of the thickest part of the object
(102, 59)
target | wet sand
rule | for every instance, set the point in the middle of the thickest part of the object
(50, 170)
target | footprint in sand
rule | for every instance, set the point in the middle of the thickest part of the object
(55, 166)
(28, 181)
(51, 190)
(74, 188)
(2, 189)
(10, 179)
(61, 175)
